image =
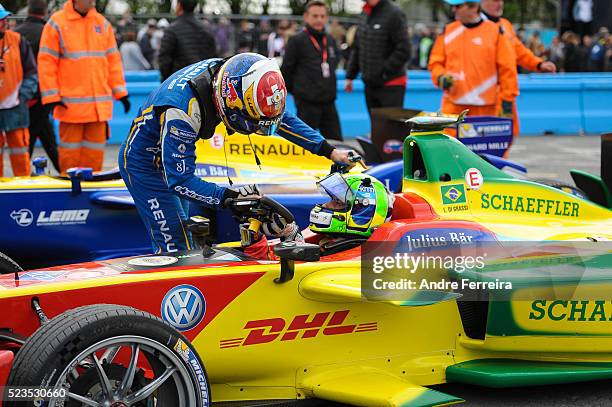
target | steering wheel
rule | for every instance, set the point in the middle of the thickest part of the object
(255, 212)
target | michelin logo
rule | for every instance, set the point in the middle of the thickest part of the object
(24, 217)
(188, 356)
(182, 134)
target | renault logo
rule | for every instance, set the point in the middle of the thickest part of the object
(183, 307)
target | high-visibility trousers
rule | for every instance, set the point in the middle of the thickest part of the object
(82, 145)
(17, 141)
(515, 119)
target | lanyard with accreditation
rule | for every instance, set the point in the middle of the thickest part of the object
(324, 65)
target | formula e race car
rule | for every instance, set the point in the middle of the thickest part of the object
(185, 329)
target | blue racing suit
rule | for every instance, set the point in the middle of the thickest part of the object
(157, 160)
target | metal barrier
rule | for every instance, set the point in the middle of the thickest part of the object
(564, 104)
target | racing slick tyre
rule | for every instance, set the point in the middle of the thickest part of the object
(570, 189)
(110, 355)
(7, 265)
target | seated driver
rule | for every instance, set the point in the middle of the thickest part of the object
(359, 204)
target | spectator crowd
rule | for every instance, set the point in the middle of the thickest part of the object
(572, 53)
(141, 43)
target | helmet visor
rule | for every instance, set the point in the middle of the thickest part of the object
(337, 188)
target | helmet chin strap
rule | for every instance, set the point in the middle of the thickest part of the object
(229, 180)
(257, 160)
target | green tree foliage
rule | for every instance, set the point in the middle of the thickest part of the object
(297, 6)
(525, 11)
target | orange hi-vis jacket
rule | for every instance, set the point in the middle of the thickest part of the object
(481, 61)
(524, 56)
(12, 74)
(79, 64)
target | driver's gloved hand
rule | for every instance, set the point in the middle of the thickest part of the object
(277, 226)
(291, 233)
(249, 191)
(245, 191)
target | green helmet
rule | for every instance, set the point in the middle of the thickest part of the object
(360, 203)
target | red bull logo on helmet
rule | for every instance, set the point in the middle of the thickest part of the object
(229, 92)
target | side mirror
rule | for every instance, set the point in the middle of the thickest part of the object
(298, 251)
(289, 252)
(199, 227)
(78, 174)
(40, 164)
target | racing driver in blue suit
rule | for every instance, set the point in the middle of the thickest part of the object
(157, 160)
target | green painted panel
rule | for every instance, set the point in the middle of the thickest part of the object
(515, 373)
(432, 398)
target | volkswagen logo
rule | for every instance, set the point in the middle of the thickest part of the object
(183, 307)
(23, 217)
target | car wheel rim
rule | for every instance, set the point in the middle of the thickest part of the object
(126, 391)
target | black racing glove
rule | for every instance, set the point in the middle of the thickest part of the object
(245, 191)
(126, 103)
(506, 108)
(49, 107)
(249, 191)
(445, 81)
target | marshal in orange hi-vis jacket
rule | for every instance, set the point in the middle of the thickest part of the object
(482, 64)
(79, 65)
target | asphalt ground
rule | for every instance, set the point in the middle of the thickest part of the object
(548, 157)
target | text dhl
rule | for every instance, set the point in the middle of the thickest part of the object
(529, 205)
(563, 310)
(309, 326)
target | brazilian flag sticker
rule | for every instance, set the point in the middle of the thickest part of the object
(453, 194)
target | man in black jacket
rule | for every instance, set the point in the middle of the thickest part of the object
(40, 125)
(185, 42)
(380, 52)
(309, 69)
